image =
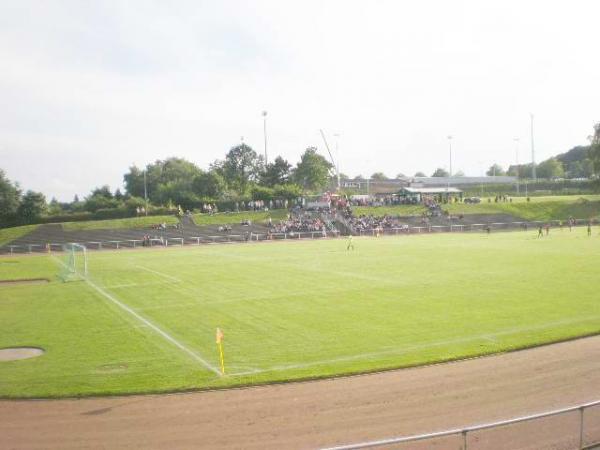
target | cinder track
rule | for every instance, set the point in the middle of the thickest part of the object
(330, 412)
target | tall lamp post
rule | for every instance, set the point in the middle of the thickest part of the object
(517, 160)
(450, 172)
(264, 114)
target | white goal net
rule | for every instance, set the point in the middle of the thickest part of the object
(74, 262)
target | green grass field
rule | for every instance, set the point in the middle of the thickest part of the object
(539, 208)
(146, 320)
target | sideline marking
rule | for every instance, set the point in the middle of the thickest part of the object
(160, 274)
(399, 351)
(146, 322)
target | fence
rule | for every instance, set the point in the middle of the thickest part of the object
(577, 438)
(169, 242)
(133, 243)
(463, 227)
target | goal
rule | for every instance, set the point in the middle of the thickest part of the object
(74, 262)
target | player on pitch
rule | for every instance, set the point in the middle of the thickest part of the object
(350, 243)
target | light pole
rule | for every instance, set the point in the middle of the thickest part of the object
(450, 172)
(517, 160)
(264, 114)
(533, 174)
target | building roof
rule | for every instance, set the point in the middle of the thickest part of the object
(431, 190)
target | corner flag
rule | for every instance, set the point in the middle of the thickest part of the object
(219, 338)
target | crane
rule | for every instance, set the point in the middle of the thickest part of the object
(336, 166)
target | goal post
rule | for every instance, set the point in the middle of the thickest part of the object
(74, 262)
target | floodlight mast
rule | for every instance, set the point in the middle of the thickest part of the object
(337, 167)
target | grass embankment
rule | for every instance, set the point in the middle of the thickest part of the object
(237, 217)
(10, 234)
(292, 310)
(539, 208)
(130, 222)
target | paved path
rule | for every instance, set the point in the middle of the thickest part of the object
(330, 412)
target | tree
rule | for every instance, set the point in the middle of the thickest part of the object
(276, 172)
(177, 172)
(32, 207)
(400, 176)
(118, 195)
(10, 196)
(439, 172)
(312, 172)
(241, 166)
(379, 176)
(103, 191)
(551, 168)
(420, 174)
(460, 173)
(495, 170)
(209, 185)
(594, 152)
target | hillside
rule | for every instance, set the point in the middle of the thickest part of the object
(539, 208)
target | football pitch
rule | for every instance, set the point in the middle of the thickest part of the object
(145, 319)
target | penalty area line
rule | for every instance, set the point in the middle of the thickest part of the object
(153, 327)
(160, 274)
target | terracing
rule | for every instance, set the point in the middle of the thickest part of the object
(54, 236)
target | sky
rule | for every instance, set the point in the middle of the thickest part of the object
(88, 89)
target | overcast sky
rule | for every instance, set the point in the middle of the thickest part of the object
(88, 88)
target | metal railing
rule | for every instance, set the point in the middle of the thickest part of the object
(458, 227)
(168, 242)
(464, 432)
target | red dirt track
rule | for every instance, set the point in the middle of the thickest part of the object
(333, 412)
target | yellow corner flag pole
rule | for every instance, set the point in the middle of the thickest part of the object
(220, 345)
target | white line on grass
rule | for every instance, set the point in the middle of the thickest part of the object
(399, 351)
(146, 322)
(160, 274)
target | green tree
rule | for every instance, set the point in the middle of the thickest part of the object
(460, 173)
(312, 172)
(177, 173)
(551, 168)
(420, 174)
(241, 167)
(32, 207)
(277, 172)
(10, 196)
(495, 170)
(594, 151)
(209, 185)
(288, 191)
(439, 172)
(379, 176)
(103, 191)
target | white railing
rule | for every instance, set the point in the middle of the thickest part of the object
(229, 238)
(452, 227)
(463, 433)
(168, 242)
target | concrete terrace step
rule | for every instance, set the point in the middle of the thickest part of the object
(55, 235)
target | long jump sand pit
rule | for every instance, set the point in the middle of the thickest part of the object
(17, 353)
